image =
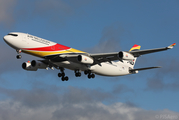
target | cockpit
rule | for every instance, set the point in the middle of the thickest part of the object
(13, 34)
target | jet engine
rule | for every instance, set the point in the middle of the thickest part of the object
(38, 64)
(28, 66)
(85, 59)
(125, 55)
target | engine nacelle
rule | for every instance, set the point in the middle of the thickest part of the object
(28, 66)
(125, 55)
(85, 59)
(38, 64)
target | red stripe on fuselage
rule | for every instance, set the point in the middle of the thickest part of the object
(56, 47)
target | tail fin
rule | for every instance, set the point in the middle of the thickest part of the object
(134, 48)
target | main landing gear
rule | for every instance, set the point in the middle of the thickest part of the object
(90, 75)
(18, 56)
(77, 74)
(86, 72)
(62, 75)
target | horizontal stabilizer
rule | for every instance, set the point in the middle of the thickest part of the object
(132, 70)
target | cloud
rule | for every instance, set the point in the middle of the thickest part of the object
(121, 89)
(74, 95)
(109, 41)
(38, 97)
(7, 18)
(70, 104)
(165, 78)
(55, 11)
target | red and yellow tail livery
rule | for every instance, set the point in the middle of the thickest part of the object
(135, 47)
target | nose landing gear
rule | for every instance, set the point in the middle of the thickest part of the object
(18, 52)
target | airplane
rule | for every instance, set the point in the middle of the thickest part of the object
(58, 56)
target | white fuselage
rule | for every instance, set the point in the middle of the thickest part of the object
(25, 42)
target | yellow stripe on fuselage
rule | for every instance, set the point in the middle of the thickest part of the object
(49, 53)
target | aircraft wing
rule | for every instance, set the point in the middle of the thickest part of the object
(142, 52)
(104, 57)
(107, 57)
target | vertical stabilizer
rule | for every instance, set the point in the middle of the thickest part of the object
(134, 48)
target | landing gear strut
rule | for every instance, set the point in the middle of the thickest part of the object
(18, 56)
(62, 75)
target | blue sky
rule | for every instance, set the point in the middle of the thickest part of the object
(95, 27)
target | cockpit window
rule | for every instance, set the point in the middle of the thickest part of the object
(13, 34)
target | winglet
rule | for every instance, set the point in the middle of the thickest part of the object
(171, 46)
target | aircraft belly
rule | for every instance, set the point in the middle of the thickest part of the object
(108, 69)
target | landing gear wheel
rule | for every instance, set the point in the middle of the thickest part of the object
(63, 74)
(85, 72)
(18, 56)
(18, 52)
(92, 75)
(78, 74)
(66, 78)
(89, 76)
(59, 74)
(63, 78)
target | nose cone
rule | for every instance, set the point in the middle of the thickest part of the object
(13, 39)
(6, 39)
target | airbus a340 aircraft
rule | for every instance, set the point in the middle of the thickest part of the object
(59, 56)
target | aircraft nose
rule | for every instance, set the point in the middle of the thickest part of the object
(5, 38)
(11, 39)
